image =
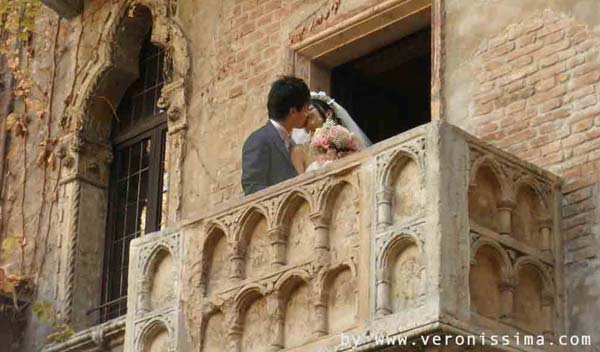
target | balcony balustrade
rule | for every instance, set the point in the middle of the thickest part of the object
(430, 232)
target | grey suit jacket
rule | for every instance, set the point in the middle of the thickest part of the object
(265, 160)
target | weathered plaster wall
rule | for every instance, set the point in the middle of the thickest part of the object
(524, 76)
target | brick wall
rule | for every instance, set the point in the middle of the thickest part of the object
(538, 98)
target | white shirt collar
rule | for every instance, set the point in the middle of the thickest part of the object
(283, 133)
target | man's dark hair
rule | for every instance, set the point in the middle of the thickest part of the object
(287, 92)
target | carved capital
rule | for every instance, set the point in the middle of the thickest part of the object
(85, 160)
(319, 221)
(384, 196)
(506, 204)
(507, 285)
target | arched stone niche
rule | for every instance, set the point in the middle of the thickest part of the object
(485, 195)
(340, 298)
(528, 221)
(254, 323)
(295, 297)
(214, 335)
(406, 185)
(298, 229)
(156, 337)
(342, 210)
(401, 196)
(489, 277)
(254, 244)
(534, 298)
(215, 261)
(162, 280)
(401, 281)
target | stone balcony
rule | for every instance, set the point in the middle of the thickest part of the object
(431, 232)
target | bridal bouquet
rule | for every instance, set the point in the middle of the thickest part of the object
(334, 137)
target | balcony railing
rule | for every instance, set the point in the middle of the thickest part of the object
(429, 232)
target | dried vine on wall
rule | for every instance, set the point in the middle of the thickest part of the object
(29, 100)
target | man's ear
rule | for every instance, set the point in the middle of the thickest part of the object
(293, 111)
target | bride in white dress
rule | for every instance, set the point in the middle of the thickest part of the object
(323, 110)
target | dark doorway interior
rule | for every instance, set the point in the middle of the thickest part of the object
(388, 91)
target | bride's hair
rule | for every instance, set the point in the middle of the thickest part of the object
(322, 107)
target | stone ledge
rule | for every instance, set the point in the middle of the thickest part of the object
(92, 337)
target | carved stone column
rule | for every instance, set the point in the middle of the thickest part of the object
(235, 338)
(321, 321)
(547, 313)
(321, 245)
(237, 262)
(383, 305)
(505, 208)
(507, 290)
(173, 101)
(275, 307)
(84, 197)
(278, 243)
(546, 235)
(384, 208)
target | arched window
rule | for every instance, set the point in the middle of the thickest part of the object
(137, 189)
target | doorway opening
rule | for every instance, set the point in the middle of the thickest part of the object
(388, 91)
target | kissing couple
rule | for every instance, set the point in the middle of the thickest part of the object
(305, 132)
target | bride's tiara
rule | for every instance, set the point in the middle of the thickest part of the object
(322, 96)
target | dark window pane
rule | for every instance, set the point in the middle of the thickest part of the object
(122, 168)
(136, 188)
(131, 221)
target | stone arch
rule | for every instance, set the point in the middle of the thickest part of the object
(341, 211)
(156, 336)
(254, 243)
(290, 276)
(246, 294)
(489, 273)
(289, 203)
(534, 296)
(294, 217)
(546, 275)
(396, 161)
(110, 72)
(215, 260)
(506, 264)
(338, 297)
(486, 193)
(402, 279)
(247, 216)
(98, 87)
(296, 305)
(252, 319)
(530, 213)
(404, 179)
(161, 275)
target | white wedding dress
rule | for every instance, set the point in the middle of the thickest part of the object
(300, 136)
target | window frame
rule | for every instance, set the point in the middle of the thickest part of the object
(147, 127)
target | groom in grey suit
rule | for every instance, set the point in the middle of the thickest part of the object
(266, 153)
